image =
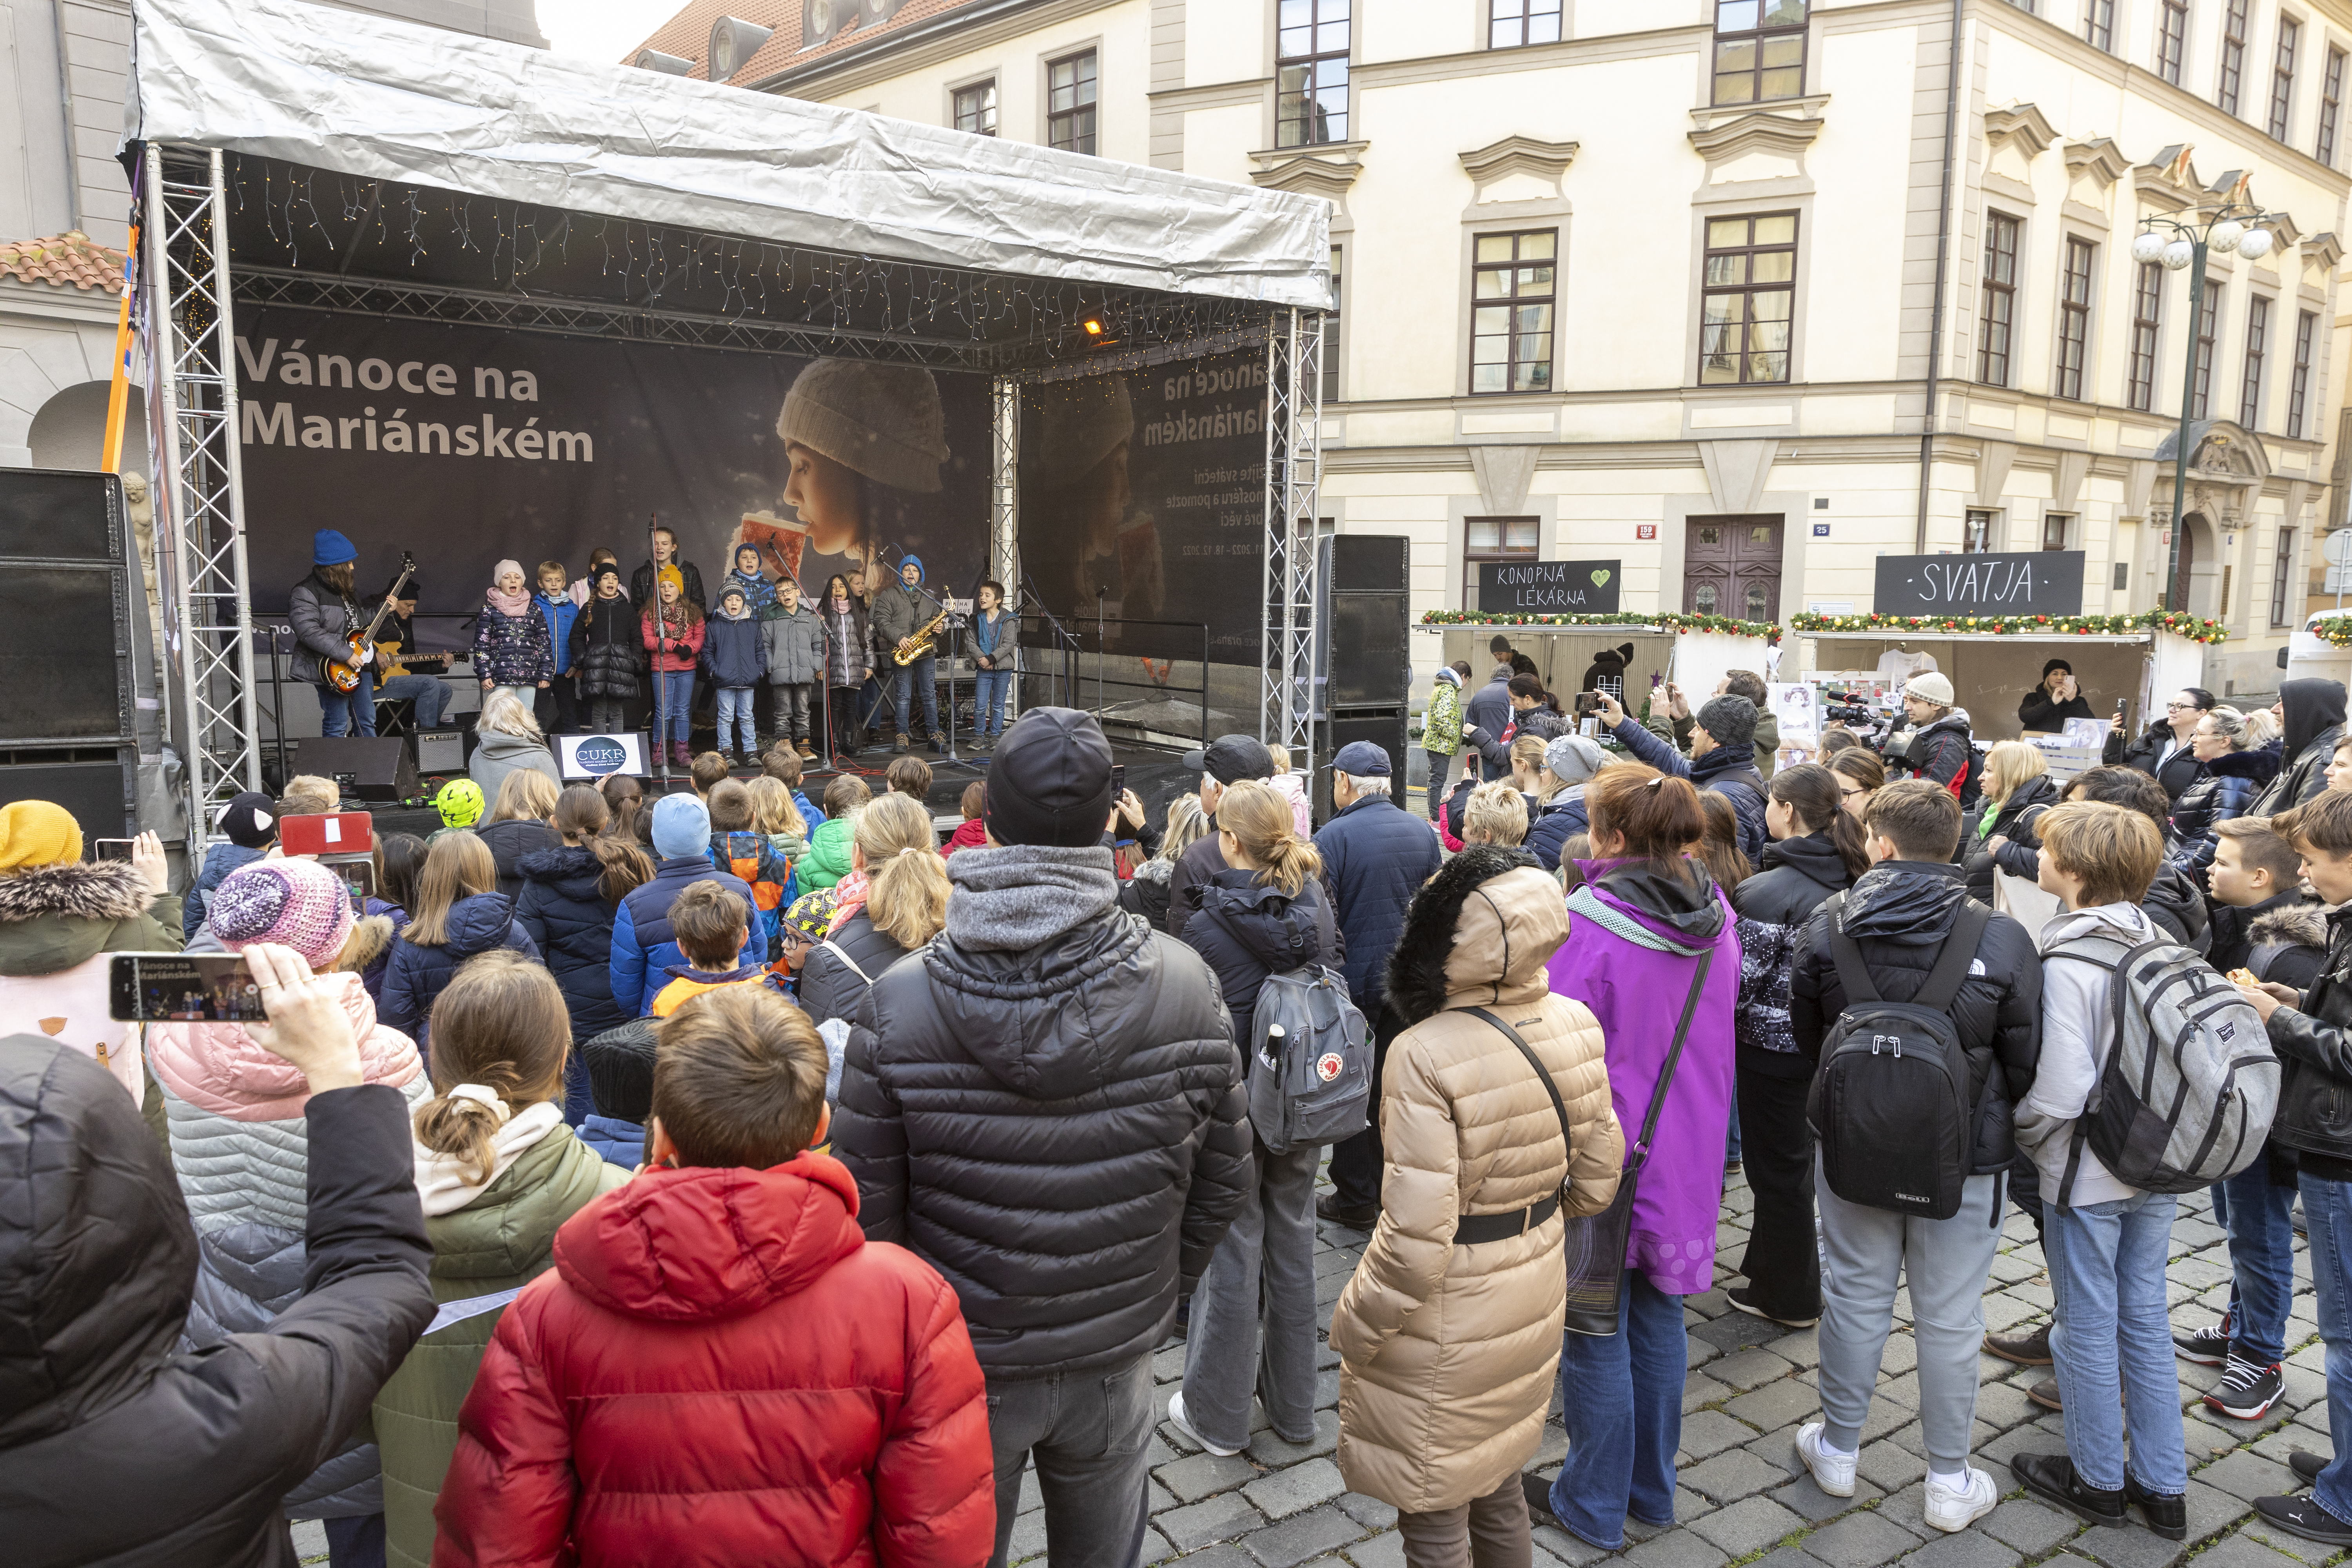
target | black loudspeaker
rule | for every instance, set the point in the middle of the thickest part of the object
(1362, 654)
(92, 791)
(65, 607)
(440, 750)
(366, 767)
(1386, 730)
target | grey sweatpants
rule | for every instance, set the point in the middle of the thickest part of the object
(1259, 1293)
(1944, 1262)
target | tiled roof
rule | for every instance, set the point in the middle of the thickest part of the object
(67, 260)
(687, 33)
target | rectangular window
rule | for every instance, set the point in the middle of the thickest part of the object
(2201, 379)
(1511, 23)
(2283, 78)
(2172, 40)
(1514, 289)
(2233, 57)
(2057, 527)
(2075, 317)
(2298, 385)
(1331, 336)
(1493, 538)
(1998, 317)
(2099, 24)
(2147, 317)
(1760, 51)
(1070, 102)
(1979, 535)
(2331, 107)
(1311, 71)
(1748, 301)
(2258, 333)
(975, 108)
(2282, 575)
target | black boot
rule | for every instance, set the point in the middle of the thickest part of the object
(2052, 1477)
(2167, 1516)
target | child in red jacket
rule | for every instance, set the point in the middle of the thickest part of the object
(721, 1367)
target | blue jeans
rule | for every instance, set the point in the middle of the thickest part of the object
(992, 688)
(429, 692)
(923, 673)
(2260, 1218)
(2328, 1222)
(735, 714)
(2110, 1335)
(348, 713)
(1623, 1398)
(677, 712)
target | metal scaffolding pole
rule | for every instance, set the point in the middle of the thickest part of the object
(1294, 467)
(200, 514)
(1005, 505)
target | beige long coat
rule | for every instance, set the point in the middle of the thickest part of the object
(1447, 1352)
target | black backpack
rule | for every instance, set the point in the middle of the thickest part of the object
(1891, 1103)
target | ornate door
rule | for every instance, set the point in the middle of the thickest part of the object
(1731, 566)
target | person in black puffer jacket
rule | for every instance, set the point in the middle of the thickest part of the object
(2161, 751)
(1047, 1108)
(1816, 851)
(607, 650)
(568, 894)
(2311, 717)
(455, 917)
(114, 1445)
(2230, 775)
(904, 901)
(2015, 799)
(1267, 914)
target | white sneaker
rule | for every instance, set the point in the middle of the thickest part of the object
(1176, 1414)
(1952, 1508)
(1833, 1473)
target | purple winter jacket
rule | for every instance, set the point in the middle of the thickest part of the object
(1630, 956)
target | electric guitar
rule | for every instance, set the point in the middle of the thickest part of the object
(344, 676)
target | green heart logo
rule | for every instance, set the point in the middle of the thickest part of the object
(1599, 577)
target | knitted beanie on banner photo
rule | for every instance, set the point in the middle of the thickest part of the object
(881, 420)
(296, 903)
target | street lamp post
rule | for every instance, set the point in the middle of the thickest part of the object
(2235, 226)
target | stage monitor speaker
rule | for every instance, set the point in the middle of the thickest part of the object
(1385, 729)
(1369, 562)
(365, 767)
(440, 750)
(1362, 654)
(65, 606)
(92, 791)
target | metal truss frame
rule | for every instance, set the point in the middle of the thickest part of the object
(1293, 468)
(200, 502)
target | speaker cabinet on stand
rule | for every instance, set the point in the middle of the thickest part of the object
(1362, 670)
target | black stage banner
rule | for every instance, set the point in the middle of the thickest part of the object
(470, 444)
(1144, 492)
(2029, 583)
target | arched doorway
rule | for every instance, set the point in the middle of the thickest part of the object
(70, 432)
(2197, 574)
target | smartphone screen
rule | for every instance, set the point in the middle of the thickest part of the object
(112, 848)
(1118, 781)
(159, 987)
(358, 872)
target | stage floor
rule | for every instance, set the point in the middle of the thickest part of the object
(1157, 775)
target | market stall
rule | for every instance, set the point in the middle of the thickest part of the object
(1625, 655)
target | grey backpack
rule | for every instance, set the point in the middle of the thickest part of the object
(2186, 1094)
(1310, 1065)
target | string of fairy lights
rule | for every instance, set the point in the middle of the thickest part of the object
(322, 221)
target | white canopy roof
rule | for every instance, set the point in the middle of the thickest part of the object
(361, 95)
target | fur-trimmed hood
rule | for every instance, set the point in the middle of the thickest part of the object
(1418, 982)
(2300, 925)
(370, 941)
(55, 916)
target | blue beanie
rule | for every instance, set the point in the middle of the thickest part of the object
(914, 561)
(681, 827)
(329, 548)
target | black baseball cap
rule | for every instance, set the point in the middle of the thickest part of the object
(1049, 782)
(1230, 759)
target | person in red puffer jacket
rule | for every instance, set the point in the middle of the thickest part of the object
(721, 1368)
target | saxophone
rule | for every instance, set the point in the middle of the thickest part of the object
(921, 643)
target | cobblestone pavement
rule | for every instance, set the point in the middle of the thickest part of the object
(1744, 1496)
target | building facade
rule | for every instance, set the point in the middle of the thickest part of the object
(1657, 281)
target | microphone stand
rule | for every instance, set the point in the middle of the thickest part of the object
(1064, 638)
(653, 659)
(1102, 594)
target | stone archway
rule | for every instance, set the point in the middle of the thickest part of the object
(2198, 577)
(70, 431)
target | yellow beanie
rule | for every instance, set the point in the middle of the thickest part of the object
(34, 833)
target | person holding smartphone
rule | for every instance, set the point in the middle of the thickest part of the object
(2058, 698)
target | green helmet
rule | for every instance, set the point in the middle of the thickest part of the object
(459, 803)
